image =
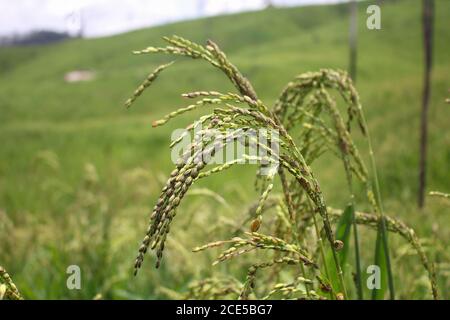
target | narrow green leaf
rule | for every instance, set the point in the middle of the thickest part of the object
(343, 231)
(381, 262)
(358, 275)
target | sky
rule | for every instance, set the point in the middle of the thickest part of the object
(107, 17)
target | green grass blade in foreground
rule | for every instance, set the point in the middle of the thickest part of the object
(381, 226)
(358, 276)
(343, 231)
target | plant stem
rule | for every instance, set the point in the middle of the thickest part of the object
(355, 230)
(357, 258)
(427, 23)
(327, 225)
(380, 208)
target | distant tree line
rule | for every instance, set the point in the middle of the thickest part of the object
(34, 38)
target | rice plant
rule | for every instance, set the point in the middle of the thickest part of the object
(304, 234)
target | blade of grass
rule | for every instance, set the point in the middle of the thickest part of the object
(343, 231)
(358, 279)
(382, 226)
(381, 262)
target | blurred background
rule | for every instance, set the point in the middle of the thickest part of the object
(79, 173)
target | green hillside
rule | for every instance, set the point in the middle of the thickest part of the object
(78, 172)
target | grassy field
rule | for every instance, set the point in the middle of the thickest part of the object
(79, 173)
